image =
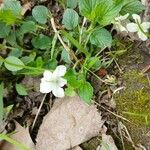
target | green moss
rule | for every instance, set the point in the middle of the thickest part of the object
(134, 102)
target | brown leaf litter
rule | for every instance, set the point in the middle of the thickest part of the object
(22, 136)
(69, 123)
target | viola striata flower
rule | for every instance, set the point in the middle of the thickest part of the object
(53, 81)
(119, 21)
(139, 27)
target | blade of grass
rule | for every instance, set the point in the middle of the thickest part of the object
(17, 144)
(1, 101)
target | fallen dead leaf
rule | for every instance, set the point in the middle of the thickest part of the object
(102, 72)
(25, 8)
(22, 136)
(107, 142)
(69, 123)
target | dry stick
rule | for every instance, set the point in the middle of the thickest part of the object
(61, 41)
(37, 114)
(112, 112)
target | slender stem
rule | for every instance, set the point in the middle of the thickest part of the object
(81, 30)
(37, 114)
(61, 41)
(95, 75)
(53, 45)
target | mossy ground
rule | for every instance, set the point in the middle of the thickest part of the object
(133, 103)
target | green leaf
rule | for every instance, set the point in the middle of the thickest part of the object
(14, 6)
(51, 64)
(1, 61)
(1, 101)
(40, 14)
(65, 56)
(8, 17)
(11, 12)
(28, 26)
(87, 7)
(42, 42)
(70, 19)
(4, 30)
(15, 52)
(93, 62)
(72, 79)
(39, 62)
(72, 3)
(28, 59)
(101, 11)
(69, 91)
(132, 7)
(12, 39)
(13, 63)
(86, 91)
(106, 11)
(101, 38)
(21, 89)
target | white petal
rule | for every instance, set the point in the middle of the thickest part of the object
(60, 71)
(132, 27)
(47, 75)
(145, 26)
(58, 92)
(142, 36)
(136, 18)
(62, 82)
(45, 87)
(120, 27)
(120, 18)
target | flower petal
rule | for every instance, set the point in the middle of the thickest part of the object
(137, 18)
(142, 36)
(58, 92)
(47, 75)
(120, 27)
(120, 18)
(60, 71)
(145, 26)
(62, 82)
(132, 27)
(45, 87)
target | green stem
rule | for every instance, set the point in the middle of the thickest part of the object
(53, 45)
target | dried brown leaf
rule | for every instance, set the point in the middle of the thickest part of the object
(22, 136)
(69, 123)
(26, 7)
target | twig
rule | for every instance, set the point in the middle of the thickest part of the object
(112, 112)
(38, 112)
(61, 41)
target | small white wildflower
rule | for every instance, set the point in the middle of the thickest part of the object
(118, 23)
(53, 81)
(139, 27)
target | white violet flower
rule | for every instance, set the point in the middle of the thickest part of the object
(53, 81)
(139, 27)
(118, 23)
